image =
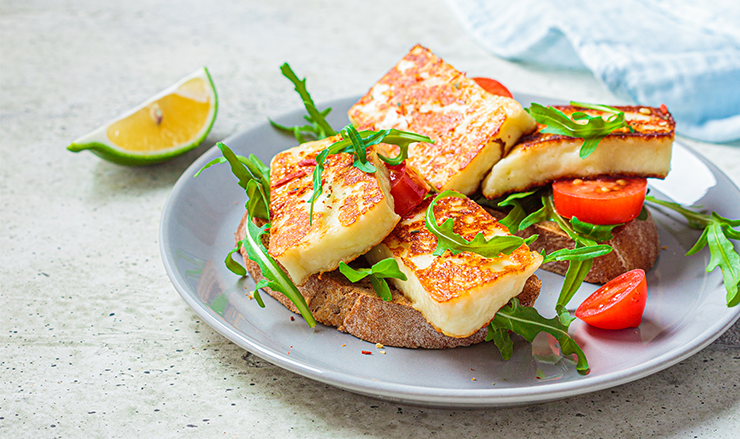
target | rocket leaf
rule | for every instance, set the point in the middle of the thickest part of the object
(527, 322)
(274, 276)
(717, 233)
(592, 131)
(447, 239)
(387, 268)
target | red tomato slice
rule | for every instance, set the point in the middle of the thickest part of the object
(407, 188)
(494, 87)
(606, 200)
(618, 304)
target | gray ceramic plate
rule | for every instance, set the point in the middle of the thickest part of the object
(685, 311)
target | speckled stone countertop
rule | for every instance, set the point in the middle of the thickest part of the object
(94, 339)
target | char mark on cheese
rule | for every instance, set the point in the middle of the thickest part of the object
(354, 212)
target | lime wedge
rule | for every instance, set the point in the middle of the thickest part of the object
(174, 121)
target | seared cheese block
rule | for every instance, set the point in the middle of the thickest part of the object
(471, 128)
(457, 294)
(354, 213)
(539, 159)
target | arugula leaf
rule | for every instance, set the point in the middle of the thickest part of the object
(592, 131)
(578, 253)
(447, 239)
(356, 143)
(527, 322)
(402, 139)
(318, 127)
(298, 130)
(274, 277)
(574, 277)
(518, 213)
(643, 216)
(359, 149)
(254, 178)
(387, 268)
(595, 232)
(577, 269)
(717, 233)
(502, 339)
(258, 200)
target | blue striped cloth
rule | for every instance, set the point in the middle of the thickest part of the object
(683, 53)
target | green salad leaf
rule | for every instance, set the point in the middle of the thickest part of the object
(518, 211)
(254, 178)
(318, 126)
(578, 253)
(717, 233)
(381, 270)
(359, 150)
(582, 125)
(447, 239)
(595, 232)
(527, 322)
(274, 276)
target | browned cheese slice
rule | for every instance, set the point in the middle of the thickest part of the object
(354, 213)
(539, 159)
(471, 128)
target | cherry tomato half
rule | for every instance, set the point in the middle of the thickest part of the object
(607, 200)
(407, 187)
(494, 87)
(618, 304)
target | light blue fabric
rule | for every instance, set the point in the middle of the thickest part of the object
(683, 53)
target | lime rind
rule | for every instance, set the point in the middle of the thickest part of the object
(98, 143)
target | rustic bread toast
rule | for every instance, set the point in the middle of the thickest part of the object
(356, 309)
(635, 245)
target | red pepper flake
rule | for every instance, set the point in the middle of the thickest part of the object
(290, 177)
(366, 353)
(663, 109)
(307, 162)
(292, 318)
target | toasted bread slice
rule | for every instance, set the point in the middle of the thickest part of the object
(458, 294)
(355, 308)
(471, 128)
(539, 159)
(635, 245)
(354, 213)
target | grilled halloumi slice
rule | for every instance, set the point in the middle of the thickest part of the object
(471, 128)
(539, 159)
(354, 213)
(457, 294)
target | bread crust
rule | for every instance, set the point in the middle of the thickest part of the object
(355, 308)
(635, 245)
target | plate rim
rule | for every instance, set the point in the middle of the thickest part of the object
(420, 395)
